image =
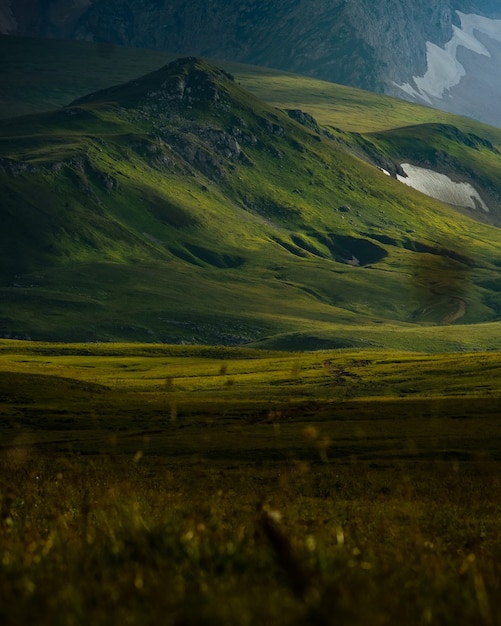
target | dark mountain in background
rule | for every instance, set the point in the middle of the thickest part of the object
(444, 53)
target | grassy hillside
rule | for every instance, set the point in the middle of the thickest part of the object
(145, 483)
(135, 215)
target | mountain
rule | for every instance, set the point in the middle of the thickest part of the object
(180, 207)
(443, 53)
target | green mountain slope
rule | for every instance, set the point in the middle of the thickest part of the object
(179, 207)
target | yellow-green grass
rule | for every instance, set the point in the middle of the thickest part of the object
(146, 367)
(146, 484)
(229, 402)
(336, 105)
(107, 542)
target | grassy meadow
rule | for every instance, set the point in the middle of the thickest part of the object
(145, 483)
(356, 482)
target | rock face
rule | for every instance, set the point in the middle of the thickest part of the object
(376, 46)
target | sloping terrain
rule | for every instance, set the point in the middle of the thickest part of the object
(445, 53)
(179, 207)
(469, 161)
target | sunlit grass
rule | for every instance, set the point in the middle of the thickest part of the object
(147, 484)
(154, 367)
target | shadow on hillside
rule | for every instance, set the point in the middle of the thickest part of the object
(441, 281)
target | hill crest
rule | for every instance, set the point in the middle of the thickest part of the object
(187, 82)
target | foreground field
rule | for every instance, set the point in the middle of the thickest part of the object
(186, 485)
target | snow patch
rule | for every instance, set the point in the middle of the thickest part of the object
(441, 187)
(444, 71)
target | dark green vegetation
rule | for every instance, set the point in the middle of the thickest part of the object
(215, 485)
(113, 542)
(179, 207)
(146, 483)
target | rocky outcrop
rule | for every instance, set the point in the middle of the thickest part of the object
(181, 139)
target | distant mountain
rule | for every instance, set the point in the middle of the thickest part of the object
(180, 207)
(444, 53)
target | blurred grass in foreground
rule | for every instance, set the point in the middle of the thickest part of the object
(94, 541)
(193, 485)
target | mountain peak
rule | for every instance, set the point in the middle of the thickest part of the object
(191, 81)
(188, 82)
